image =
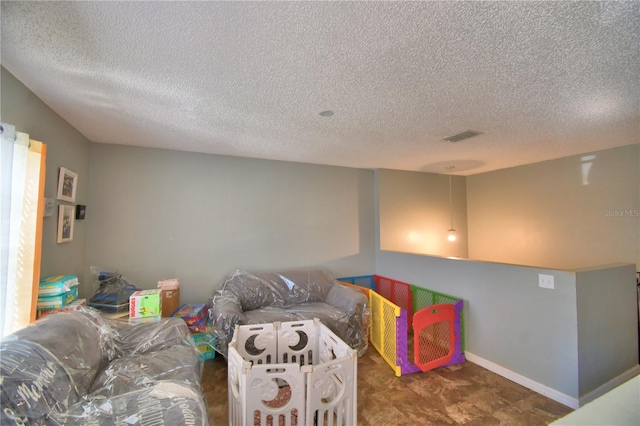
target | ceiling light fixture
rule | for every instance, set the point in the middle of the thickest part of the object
(452, 232)
(327, 113)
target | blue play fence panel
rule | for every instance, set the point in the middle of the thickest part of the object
(361, 280)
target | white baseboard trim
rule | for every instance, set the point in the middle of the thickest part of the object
(524, 381)
(613, 383)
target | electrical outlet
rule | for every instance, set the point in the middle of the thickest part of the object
(546, 281)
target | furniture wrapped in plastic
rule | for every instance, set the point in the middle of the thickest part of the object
(78, 368)
(247, 298)
(110, 289)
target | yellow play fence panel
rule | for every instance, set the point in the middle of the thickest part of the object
(383, 328)
(382, 332)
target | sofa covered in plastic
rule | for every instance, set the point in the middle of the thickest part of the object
(248, 298)
(77, 368)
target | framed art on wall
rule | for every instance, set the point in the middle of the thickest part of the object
(66, 218)
(67, 182)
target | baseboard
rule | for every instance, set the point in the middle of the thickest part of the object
(613, 383)
(524, 381)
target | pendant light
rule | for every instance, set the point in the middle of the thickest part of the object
(452, 232)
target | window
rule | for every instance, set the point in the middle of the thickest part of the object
(22, 163)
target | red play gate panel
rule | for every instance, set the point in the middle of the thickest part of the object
(396, 292)
(434, 336)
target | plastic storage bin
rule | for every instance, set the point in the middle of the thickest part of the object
(296, 372)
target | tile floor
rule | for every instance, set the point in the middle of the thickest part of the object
(464, 394)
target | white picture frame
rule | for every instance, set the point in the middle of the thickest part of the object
(67, 184)
(66, 219)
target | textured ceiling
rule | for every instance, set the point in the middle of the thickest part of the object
(540, 80)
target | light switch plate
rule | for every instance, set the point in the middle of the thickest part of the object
(48, 207)
(546, 281)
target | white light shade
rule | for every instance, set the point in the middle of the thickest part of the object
(452, 235)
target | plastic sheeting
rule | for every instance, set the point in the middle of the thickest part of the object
(247, 298)
(78, 368)
(163, 403)
(147, 337)
(82, 343)
(110, 289)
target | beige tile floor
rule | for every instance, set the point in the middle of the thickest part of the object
(464, 394)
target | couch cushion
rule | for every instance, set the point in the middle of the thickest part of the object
(141, 338)
(334, 318)
(179, 363)
(164, 403)
(34, 384)
(267, 315)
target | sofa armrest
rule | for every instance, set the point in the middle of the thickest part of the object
(345, 298)
(226, 312)
(356, 305)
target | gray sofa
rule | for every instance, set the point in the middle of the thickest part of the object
(76, 368)
(247, 298)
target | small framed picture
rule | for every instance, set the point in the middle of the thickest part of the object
(66, 218)
(67, 183)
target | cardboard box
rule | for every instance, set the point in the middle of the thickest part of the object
(170, 301)
(200, 326)
(191, 313)
(145, 303)
(170, 284)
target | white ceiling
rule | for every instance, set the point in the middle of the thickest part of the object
(540, 80)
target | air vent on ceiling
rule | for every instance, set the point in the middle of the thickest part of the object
(461, 136)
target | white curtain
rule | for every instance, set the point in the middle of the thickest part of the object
(20, 161)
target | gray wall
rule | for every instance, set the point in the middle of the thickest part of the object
(607, 324)
(66, 147)
(509, 320)
(415, 214)
(157, 214)
(569, 213)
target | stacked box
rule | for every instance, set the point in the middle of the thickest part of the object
(145, 304)
(55, 292)
(196, 315)
(56, 284)
(170, 295)
(76, 305)
(206, 343)
(57, 301)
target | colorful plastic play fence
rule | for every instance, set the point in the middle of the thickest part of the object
(437, 325)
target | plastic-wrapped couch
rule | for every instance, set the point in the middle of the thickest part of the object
(247, 298)
(76, 368)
